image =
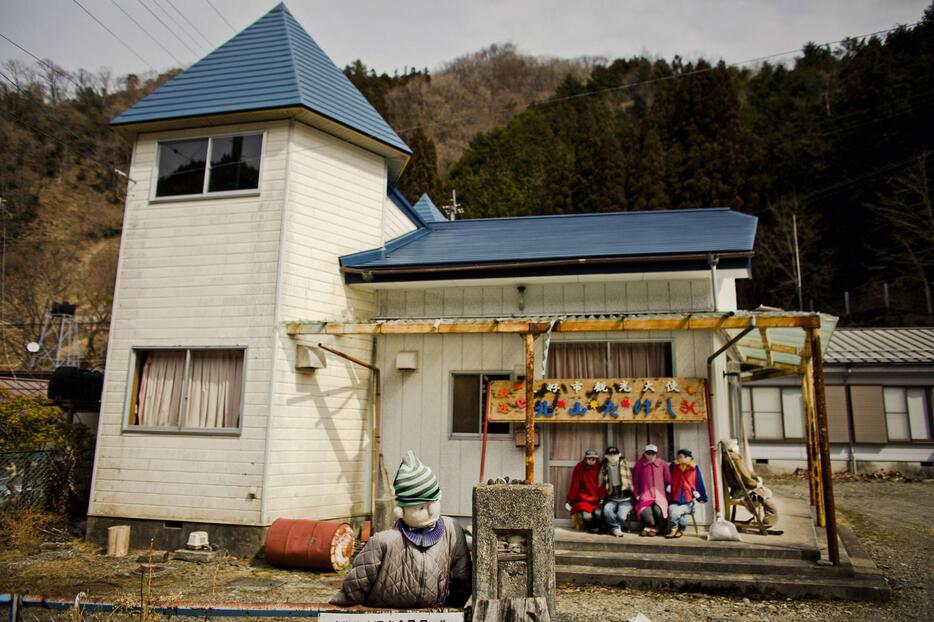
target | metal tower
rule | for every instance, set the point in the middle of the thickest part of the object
(58, 343)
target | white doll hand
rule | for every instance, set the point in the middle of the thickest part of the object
(668, 488)
(696, 495)
(758, 482)
(567, 506)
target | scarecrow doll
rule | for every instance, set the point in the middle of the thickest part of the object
(585, 494)
(422, 562)
(687, 486)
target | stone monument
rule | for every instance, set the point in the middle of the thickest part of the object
(514, 543)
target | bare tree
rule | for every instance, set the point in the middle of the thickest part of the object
(905, 216)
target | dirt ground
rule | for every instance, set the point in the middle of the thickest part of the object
(892, 518)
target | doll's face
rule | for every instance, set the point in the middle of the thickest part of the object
(650, 456)
(421, 515)
(612, 458)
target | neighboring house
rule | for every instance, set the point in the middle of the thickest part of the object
(880, 387)
(262, 221)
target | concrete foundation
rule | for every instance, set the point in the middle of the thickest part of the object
(239, 540)
(514, 543)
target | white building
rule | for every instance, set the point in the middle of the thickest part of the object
(261, 219)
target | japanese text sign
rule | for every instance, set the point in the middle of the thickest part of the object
(601, 400)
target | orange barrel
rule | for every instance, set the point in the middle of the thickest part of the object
(314, 544)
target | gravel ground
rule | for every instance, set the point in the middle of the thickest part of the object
(891, 518)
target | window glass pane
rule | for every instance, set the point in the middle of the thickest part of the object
(181, 167)
(214, 387)
(896, 413)
(918, 414)
(159, 399)
(767, 412)
(235, 163)
(466, 404)
(793, 412)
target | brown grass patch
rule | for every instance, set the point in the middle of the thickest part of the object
(22, 531)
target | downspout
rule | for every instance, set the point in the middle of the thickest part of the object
(712, 261)
(709, 396)
(377, 401)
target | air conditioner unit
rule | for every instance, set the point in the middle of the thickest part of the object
(309, 358)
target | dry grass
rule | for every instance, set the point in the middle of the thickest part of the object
(22, 531)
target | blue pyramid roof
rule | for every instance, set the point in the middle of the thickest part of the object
(273, 63)
(427, 210)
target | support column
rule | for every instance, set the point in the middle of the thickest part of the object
(810, 420)
(823, 435)
(529, 408)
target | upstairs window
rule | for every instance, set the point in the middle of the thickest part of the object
(470, 403)
(201, 166)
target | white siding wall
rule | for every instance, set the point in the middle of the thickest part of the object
(395, 223)
(191, 273)
(319, 439)
(428, 391)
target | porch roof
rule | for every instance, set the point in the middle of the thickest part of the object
(777, 341)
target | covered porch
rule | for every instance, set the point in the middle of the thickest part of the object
(762, 343)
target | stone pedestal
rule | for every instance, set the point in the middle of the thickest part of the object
(514, 543)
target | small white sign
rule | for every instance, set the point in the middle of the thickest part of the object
(392, 616)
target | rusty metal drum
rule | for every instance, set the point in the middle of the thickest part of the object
(312, 544)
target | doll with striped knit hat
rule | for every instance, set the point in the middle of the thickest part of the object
(422, 561)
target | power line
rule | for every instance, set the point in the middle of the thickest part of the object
(125, 44)
(190, 23)
(149, 34)
(221, 15)
(44, 63)
(180, 27)
(171, 30)
(678, 76)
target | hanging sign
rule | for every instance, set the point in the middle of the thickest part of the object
(600, 400)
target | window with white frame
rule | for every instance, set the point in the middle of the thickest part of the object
(186, 389)
(469, 403)
(773, 413)
(201, 166)
(906, 413)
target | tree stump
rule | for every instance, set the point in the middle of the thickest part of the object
(118, 540)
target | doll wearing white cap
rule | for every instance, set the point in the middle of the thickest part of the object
(651, 481)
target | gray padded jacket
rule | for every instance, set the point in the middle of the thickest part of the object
(392, 572)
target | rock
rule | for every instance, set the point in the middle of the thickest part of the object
(202, 557)
(157, 557)
(54, 546)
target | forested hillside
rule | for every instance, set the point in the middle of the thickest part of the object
(839, 139)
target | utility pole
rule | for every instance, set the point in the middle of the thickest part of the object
(794, 229)
(452, 209)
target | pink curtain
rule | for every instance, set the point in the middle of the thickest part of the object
(160, 389)
(214, 389)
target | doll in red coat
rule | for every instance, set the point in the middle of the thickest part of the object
(585, 495)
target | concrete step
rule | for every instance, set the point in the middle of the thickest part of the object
(689, 561)
(870, 588)
(633, 543)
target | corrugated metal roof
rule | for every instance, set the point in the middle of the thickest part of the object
(899, 346)
(427, 210)
(573, 236)
(273, 63)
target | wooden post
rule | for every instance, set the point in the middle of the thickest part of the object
(529, 408)
(820, 404)
(118, 540)
(810, 420)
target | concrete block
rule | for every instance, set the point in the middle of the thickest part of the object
(514, 547)
(199, 556)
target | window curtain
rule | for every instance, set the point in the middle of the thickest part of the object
(214, 389)
(160, 389)
(576, 360)
(632, 360)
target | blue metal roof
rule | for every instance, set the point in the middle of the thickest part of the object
(427, 210)
(573, 236)
(273, 63)
(395, 195)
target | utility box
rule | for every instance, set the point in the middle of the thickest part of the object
(308, 358)
(514, 543)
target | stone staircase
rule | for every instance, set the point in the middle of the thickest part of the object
(691, 563)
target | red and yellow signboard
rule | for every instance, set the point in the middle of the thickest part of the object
(601, 400)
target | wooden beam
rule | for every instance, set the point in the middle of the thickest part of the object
(764, 335)
(766, 373)
(529, 408)
(823, 437)
(813, 456)
(682, 322)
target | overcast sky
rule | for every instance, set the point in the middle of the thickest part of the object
(392, 35)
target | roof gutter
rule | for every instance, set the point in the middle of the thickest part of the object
(582, 261)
